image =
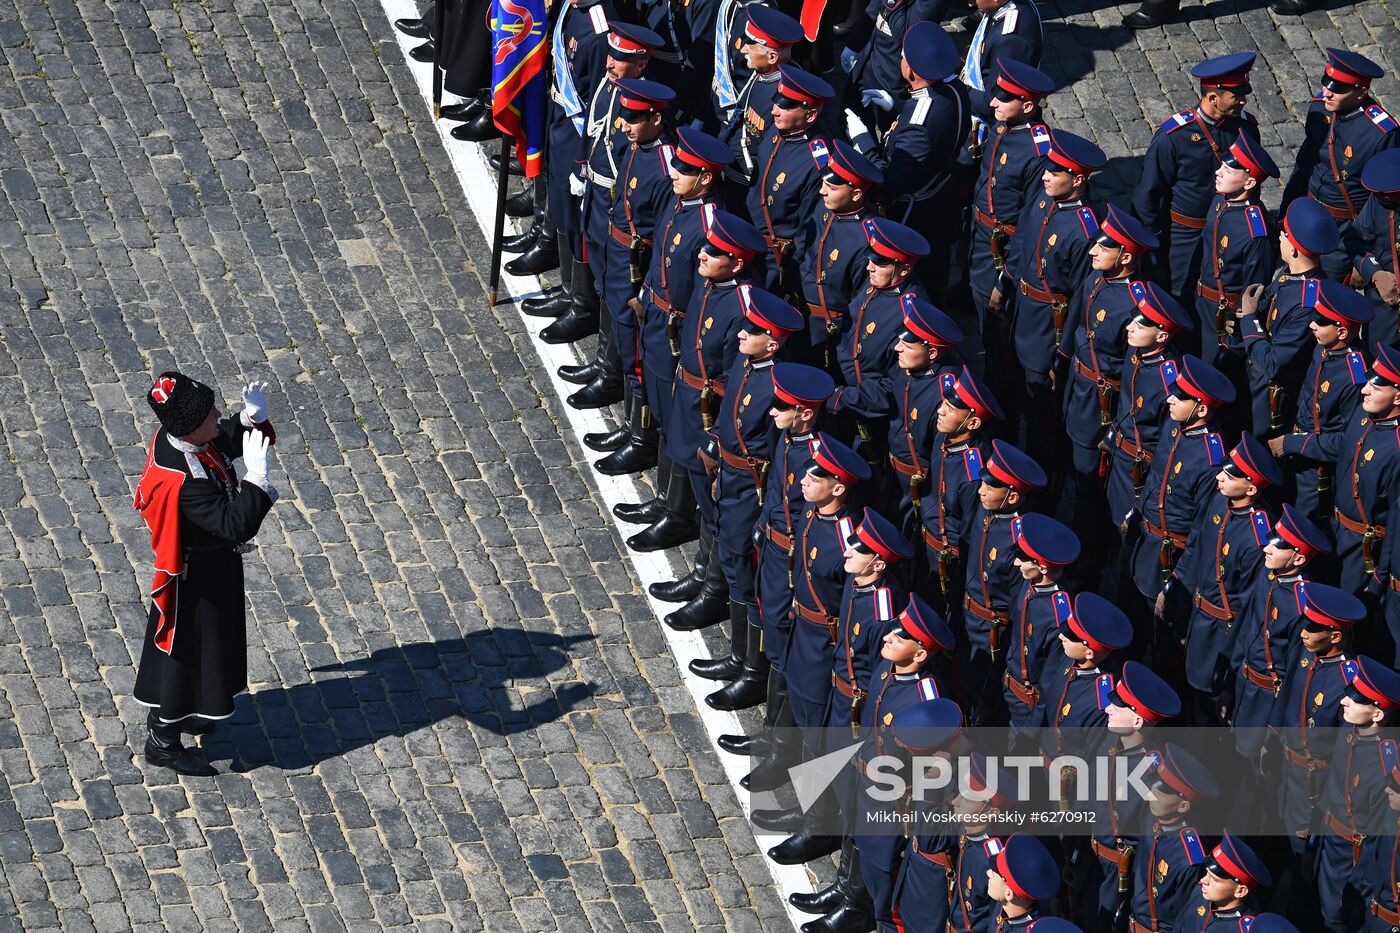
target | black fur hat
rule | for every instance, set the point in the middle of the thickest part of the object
(181, 403)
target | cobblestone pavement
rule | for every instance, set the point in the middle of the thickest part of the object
(462, 713)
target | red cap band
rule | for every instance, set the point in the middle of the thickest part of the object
(1299, 545)
(982, 411)
(1346, 77)
(869, 540)
(1232, 867)
(1254, 475)
(1142, 709)
(1370, 693)
(1006, 876)
(832, 467)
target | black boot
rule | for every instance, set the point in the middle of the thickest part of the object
(481, 128)
(606, 387)
(1152, 13)
(682, 589)
(784, 748)
(413, 27)
(163, 749)
(582, 317)
(802, 848)
(555, 304)
(751, 745)
(855, 28)
(752, 685)
(422, 53)
(728, 667)
(853, 913)
(513, 163)
(709, 604)
(817, 902)
(783, 820)
(522, 204)
(540, 256)
(466, 110)
(641, 513)
(520, 242)
(678, 522)
(581, 374)
(605, 442)
(639, 452)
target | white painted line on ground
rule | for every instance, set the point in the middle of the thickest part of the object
(469, 161)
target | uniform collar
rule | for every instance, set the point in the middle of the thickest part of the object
(1198, 431)
(727, 283)
(793, 137)
(185, 448)
(1002, 11)
(1331, 658)
(650, 144)
(1203, 118)
(1153, 357)
(1069, 202)
(801, 438)
(920, 94)
(765, 363)
(909, 678)
(768, 78)
(693, 202)
(868, 588)
(1085, 671)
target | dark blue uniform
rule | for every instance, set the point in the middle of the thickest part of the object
(989, 581)
(973, 911)
(744, 434)
(1388, 570)
(1105, 854)
(1278, 348)
(1368, 461)
(926, 879)
(778, 521)
(831, 251)
(914, 399)
(1173, 194)
(819, 578)
(665, 296)
(1167, 872)
(1330, 393)
(1335, 150)
(1377, 233)
(1095, 343)
(1352, 803)
(1011, 170)
(786, 181)
(581, 34)
(643, 197)
(1047, 260)
(1019, 19)
(1201, 917)
(604, 143)
(877, 64)
(866, 613)
(1142, 411)
(751, 118)
(1237, 250)
(867, 364)
(1179, 485)
(1036, 614)
(1224, 552)
(1306, 718)
(1378, 872)
(1072, 698)
(1266, 641)
(950, 497)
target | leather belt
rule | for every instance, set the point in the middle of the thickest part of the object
(1341, 829)
(777, 537)
(1093, 375)
(1176, 538)
(1269, 681)
(1219, 296)
(1395, 584)
(943, 860)
(1338, 213)
(826, 314)
(845, 687)
(1384, 914)
(1107, 853)
(625, 238)
(662, 303)
(812, 615)
(695, 382)
(1024, 692)
(1303, 761)
(1360, 528)
(1135, 927)
(987, 220)
(1184, 220)
(1136, 451)
(985, 613)
(777, 242)
(939, 545)
(906, 469)
(740, 463)
(1212, 610)
(1044, 296)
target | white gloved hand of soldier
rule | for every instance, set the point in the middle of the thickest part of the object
(855, 128)
(848, 60)
(577, 186)
(255, 447)
(254, 403)
(877, 98)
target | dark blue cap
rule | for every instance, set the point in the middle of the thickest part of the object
(1253, 459)
(1053, 925)
(879, 534)
(1011, 466)
(850, 166)
(1021, 80)
(1310, 228)
(768, 312)
(695, 147)
(799, 384)
(969, 392)
(802, 85)
(1099, 624)
(1299, 533)
(627, 42)
(1159, 306)
(925, 321)
(1203, 382)
(1249, 154)
(1347, 69)
(1230, 72)
(1382, 172)
(923, 624)
(1185, 775)
(1233, 859)
(1141, 690)
(772, 27)
(895, 241)
(981, 778)
(1386, 365)
(734, 235)
(1377, 684)
(931, 52)
(1327, 607)
(1045, 540)
(1271, 923)
(927, 726)
(1343, 304)
(1028, 868)
(840, 461)
(1119, 228)
(1075, 153)
(642, 94)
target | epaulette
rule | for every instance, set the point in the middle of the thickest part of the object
(1390, 756)
(1040, 135)
(1089, 222)
(1008, 22)
(707, 216)
(1195, 851)
(921, 109)
(819, 154)
(1062, 607)
(1104, 687)
(884, 604)
(599, 18)
(1349, 670)
(667, 153)
(1300, 595)
(972, 462)
(1379, 117)
(947, 382)
(845, 527)
(1248, 117)
(1168, 373)
(1356, 365)
(1258, 225)
(1263, 528)
(1319, 97)
(1215, 448)
(992, 847)
(1176, 121)
(1310, 290)
(928, 690)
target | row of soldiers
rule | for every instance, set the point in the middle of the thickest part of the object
(793, 322)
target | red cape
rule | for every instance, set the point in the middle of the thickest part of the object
(158, 501)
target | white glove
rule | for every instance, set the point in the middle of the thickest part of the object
(855, 126)
(848, 60)
(577, 186)
(878, 98)
(255, 447)
(255, 403)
